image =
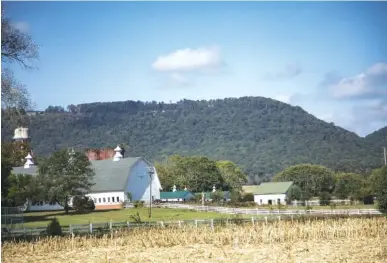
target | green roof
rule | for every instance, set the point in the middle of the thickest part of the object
(109, 176)
(270, 188)
(176, 195)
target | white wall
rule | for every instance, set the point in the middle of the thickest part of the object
(139, 181)
(265, 199)
(106, 198)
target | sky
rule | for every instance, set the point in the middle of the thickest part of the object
(330, 58)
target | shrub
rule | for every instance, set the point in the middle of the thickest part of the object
(248, 197)
(54, 228)
(138, 204)
(325, 198)
(294, 193)
(83, 203)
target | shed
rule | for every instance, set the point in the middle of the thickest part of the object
(271, 193)
(176, 196)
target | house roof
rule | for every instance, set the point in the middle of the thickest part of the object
(109, 176)
(272, 188)
(175, 195)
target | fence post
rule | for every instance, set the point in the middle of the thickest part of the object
(359, 211)
(212, 224)
(70, 229)
(110, 225)
(279, 218)
(252, 220)
(266, 219)
(91, 228)
(127, 223)
(162, 223)
(179, 223)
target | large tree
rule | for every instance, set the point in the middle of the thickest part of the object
(379, 185)
(348, 185)
(23, 188)
(312, 179)
(195, 172)
(232, 175)
(64, 174)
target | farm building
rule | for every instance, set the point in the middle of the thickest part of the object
(113, 179)
(208, 196)
(272, 193)
(176, 196)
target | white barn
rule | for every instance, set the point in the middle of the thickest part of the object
(272, 193)
(113, 179)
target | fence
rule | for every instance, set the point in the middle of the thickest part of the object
(258, 211)
(11, 215)
(110, 227)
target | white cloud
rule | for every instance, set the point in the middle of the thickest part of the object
(290, 71)
(188, 60)
(22, 26)
(370, 83)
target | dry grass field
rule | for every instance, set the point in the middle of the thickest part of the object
(332, 240)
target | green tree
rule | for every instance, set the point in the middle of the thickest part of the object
(312, 179)
(217, 196)
(232, 175)
(23, 188)
(294, 193)
(66, 174)
(347, 185)
(379, 185)
(196, 172)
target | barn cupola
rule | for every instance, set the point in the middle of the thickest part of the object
(118, 155)
(29, 161)
(174, 188)
(214, 189)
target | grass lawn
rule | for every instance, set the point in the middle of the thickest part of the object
(38, 219)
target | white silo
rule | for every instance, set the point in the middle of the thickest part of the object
(21, 135)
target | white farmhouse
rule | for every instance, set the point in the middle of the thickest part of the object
(272, 193)
(113, 179)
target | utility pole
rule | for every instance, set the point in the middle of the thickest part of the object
(385, 155)
(150, 172)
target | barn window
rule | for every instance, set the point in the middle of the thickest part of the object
(108, 199)
(99, 200)
(95, 200)
(104, 200)
(113, 199)
(118, 199)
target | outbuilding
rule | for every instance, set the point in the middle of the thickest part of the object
(272, 193)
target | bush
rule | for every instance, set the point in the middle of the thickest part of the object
(138, 204)
(248, 197)
(83, 203)
(325, 198)
(54, 228)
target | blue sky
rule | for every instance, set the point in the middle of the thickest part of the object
(329, 58)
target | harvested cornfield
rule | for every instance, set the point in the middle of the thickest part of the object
(330, 240)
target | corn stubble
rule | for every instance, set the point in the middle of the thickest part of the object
(330, 240)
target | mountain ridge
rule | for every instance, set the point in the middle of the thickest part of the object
(260, 134)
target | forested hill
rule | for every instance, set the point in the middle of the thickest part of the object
(260, 134)
(378, 138)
